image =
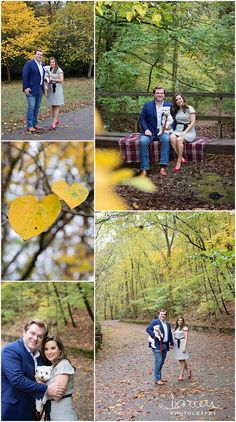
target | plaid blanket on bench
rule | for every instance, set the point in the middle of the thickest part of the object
(129, 147)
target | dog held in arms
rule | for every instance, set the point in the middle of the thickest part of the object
(166, 121)
(42, 374)
(158, 334)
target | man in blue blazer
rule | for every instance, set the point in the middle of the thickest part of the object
(19, 388)
(33, 76)
(161, 344)
(150, 122)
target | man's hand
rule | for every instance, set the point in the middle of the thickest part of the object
(27, 91)
(171, 346)
(148, 132)
(55, 390)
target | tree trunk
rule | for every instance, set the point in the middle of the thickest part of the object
(90, 69)
(88, 307)
(59, 303)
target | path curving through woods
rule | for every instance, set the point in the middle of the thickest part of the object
(124, 378)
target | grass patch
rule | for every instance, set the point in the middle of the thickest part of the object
(14, 104)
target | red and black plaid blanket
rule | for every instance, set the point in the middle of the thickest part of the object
(129, 147)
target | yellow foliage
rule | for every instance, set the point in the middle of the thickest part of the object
(29, 217)
(73, 195)
(21, 31)
(106, 198)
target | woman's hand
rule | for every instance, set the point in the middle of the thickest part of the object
(184, 350)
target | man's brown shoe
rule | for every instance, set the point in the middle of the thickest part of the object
(31, 130)
(160, 382)
(163, 171)
(164, 380)
(38, 127)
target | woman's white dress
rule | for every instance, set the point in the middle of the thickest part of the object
(63, 410)
(183, 118)
(179, 342)
(57, 97)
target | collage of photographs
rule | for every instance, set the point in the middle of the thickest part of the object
(117, 210)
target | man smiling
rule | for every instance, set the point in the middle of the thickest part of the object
(19, 389)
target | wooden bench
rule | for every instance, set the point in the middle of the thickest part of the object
(217, 146)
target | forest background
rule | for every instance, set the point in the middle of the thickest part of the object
(183, 262)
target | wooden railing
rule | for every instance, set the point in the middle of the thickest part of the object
(219, 96)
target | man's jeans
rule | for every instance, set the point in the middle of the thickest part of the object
(159, 359)
(144, 150)
(34, 102)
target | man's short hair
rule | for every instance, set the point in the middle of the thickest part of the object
(39, 323)
(163, 310)
(158, 87)
(38, 49)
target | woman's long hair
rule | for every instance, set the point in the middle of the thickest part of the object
(56, 65)
(176, 323)
(175, 107)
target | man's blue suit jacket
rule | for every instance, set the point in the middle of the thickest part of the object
(150, 331)
(19, 389)
(31, 77)
(148, 117)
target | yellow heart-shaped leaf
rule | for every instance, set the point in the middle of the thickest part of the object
(73, 195)
(29, 217)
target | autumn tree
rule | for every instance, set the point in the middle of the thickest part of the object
(22, 33)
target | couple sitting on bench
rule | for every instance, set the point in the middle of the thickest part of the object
(157, 123)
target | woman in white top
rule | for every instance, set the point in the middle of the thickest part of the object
(61, 409)
(185, 117)
(54, 89)
(180, 346)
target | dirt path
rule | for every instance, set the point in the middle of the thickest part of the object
(124, 378)
(75, 125)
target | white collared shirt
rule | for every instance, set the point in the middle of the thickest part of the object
(159, 109)
(34, 355)
(40, 67)
(165, 338)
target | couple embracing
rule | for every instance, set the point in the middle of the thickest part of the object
(22, 390)
(171, 124)
(161, 341)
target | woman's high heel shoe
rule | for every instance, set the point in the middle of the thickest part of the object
(176, 170)
(190, 373)
(57, 122)
(183, 161)
(53, 126)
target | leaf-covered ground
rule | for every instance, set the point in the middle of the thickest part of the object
(78, 343)
(206, 185)
(124, 378)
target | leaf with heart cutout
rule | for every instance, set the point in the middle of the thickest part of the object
(73, 195)
(30, 217)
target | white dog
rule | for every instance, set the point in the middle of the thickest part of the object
(42, 373)
(158, 334)
(166, 121)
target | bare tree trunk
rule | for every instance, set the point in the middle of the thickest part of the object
(88, 307)
(59, 303)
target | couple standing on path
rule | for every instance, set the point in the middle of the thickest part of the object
(161, 341)
(39, 79)
(157, 124)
